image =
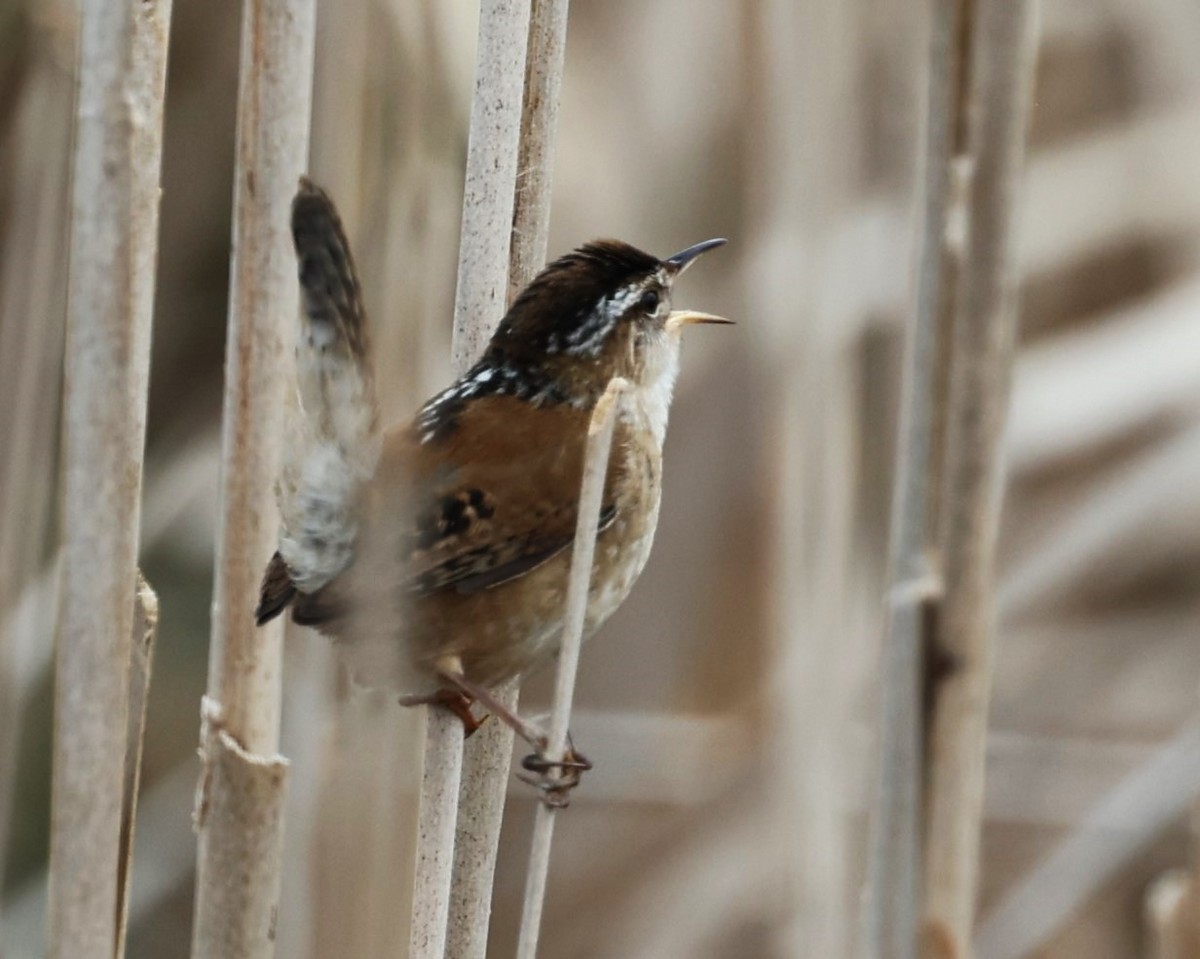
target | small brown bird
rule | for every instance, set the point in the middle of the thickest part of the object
(436, 554)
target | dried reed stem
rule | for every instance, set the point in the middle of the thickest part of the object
(239, 807)
(539, 130)
(141, 658)
(489, 195)
(893, 881)
(478, 306)
(437, 820)
(599, 443)
(1002, 54)
(489, 753)
(487, 757)
(114, 243)
(240, 817)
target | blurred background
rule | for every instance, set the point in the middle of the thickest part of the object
(730, 705)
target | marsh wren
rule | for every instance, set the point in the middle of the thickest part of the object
(436, 553)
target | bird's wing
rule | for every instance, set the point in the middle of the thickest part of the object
(493, 497)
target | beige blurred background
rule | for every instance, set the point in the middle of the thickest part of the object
(730, 705)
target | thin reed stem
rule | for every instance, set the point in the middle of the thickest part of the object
(141, 660)
(894, 865)
(539, 131)
(599, 444)
(239, 807)
(479, 304)
(489, 753)
(1003, 47)
(114, 243)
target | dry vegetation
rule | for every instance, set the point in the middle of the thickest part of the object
(731, 707)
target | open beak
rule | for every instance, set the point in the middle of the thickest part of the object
(683, 259)
(678, 319)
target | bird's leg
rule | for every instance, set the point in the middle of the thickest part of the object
(450, 669)
(454, 700)
(556, 777)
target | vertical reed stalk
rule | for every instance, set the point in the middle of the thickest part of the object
(599, 443)
(893, 881)
(118, 148)
(539, 130)
(1003, 47)
(489, 195)
(489, 753)
(478, 306)
(482, 791)
(437, 819)
(239, 809)
(141, 659)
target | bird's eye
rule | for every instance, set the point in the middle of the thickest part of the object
(649, 301)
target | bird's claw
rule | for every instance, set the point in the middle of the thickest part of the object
(461, 707)
(456, 702)
(555, 777)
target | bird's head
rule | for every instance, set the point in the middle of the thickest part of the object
(602, 311)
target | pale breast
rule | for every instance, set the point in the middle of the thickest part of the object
(622, 550)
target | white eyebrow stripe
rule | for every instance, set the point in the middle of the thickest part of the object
(587, 338)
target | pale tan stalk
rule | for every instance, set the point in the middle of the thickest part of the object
(479, 304)
(599, 443)
(239, 815)
(539, 130)
(488, 755)
(141, 659)
(489, 194)
(114, 217)
(487, 758)
(894, 864)
(436, 822)
(239, 807)
(1003, 47)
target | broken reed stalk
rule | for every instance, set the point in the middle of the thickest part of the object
(488, 755)
(239, 805)
(1002, 56)
(114, 246)
(599, 443)
(894, 864)
(480, 297)
(141, 659)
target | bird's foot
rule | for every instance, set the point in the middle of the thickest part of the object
(454, 700)
(555, 778)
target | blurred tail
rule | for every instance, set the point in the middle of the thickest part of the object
(333, 362)
(333, 442)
